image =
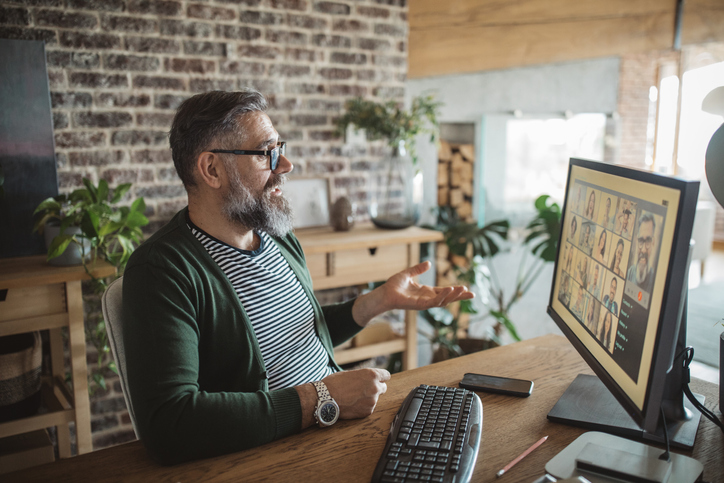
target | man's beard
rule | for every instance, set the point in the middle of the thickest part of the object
(642, 268)
(271, 214)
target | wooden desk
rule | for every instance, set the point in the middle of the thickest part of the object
(348, 451)
(366, 254)
(41, 296)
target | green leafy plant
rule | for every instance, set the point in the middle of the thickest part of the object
(389, 121)
(112, 232)
(473, 250)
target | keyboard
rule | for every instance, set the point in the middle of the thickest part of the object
(435, 436)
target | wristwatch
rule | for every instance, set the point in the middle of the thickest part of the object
(326, 412)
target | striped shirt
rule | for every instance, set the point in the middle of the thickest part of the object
(279, 310)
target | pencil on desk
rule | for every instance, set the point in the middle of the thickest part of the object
(523, 455)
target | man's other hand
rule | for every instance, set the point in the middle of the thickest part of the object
(357, 392)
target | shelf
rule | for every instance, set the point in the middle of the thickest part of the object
(57, 402)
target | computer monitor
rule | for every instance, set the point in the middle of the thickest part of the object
(619, 295)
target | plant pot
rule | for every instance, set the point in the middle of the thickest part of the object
(468, 346)
(72, 254)
(21, 358)
(396, 194)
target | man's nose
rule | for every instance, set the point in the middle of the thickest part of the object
(284, 166)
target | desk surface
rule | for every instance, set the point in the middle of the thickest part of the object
(349, 450)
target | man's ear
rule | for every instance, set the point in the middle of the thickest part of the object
(210, 169)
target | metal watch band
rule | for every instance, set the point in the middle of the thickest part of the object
(322, 391)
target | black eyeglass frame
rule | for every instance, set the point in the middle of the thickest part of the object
(273, 154)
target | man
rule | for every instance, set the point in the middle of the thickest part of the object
(641, 273)
(609, 301)
(226, 346)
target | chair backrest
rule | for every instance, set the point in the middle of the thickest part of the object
(112, 302)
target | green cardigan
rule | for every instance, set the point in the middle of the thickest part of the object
(196, 377)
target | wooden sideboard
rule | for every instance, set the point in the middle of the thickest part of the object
(361, 255)
(37, 296)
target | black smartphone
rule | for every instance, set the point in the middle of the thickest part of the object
(498, 385)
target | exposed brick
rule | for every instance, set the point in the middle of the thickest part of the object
(122, 99)
(237, 33)
(332, 8)
(261, 18)
(152, 156)
(324, 40)
(70, 100)
(158, 82)
(18, 33)
(113, 439)
(103, 423)
(306, 22)
(79, 40)
(161, 191)
(103, 5)
(265, 86)
(392, 3)
(204, 48)
(167, 209)
(323, 167)
(134, 25)
(308, 119)
(305, 55)
(285, 135)
(73, 60)
(69, 180)
(97, 158)
(156, 7)
(346, 58)
(83, 139)
(168, 101)
(389, 61)
(289, 4)
(130, 62)
(139, 138)
(58, 18)
(118, 176)
(60, 120)
(95, 80)
(323, 105)
(248, 3)
(154, 119)
(235, 67)
(335, 74)
(374, 44)
(286, 70)
(390, 30)
(347, 90)
(286, 37)
(102, 119)
(207, 12)
(203, 85)
(186, 28)
(61, 160)
(374, 12)
(345, 25)
(195, 66)
(14, 16)
(325, 135)
(284, 103)
(151, 44)
(259, 51)
(305, 88)
(56, 79)
(389, 92)
(349, 181)
(167, 174)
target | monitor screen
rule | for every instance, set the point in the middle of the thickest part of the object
(621, 259)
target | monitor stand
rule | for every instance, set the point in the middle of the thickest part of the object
(587, 403)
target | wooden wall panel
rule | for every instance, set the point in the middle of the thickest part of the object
(703, 21)
(459, 36)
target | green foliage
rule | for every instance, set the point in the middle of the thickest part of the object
(389, 121)
(112, 231)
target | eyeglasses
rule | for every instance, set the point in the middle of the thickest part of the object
(646, 241)
(273, 154)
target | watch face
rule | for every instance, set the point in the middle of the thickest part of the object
(328, 412)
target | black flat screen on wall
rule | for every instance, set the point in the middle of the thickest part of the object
(27, 148)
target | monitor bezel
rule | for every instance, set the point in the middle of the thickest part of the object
(669, 323)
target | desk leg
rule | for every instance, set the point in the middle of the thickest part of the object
(58, 373)
(79, 369)
(409, 357)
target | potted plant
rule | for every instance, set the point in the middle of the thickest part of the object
(396, 191)
(91, 220)
(472, 250)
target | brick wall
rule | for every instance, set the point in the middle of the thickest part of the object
(118, 69)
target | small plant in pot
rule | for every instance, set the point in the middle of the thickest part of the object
(92, 221)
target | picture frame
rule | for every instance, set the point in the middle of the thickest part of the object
(309, 198)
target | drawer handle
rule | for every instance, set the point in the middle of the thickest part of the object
(3, 294)
(373, 251)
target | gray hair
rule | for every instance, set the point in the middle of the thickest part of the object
(206, 118)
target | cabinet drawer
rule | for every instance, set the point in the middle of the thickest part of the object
(365, 265)
(25, 302)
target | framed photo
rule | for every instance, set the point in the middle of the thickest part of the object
(310, 201)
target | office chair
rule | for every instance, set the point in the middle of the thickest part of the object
(111, 302)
